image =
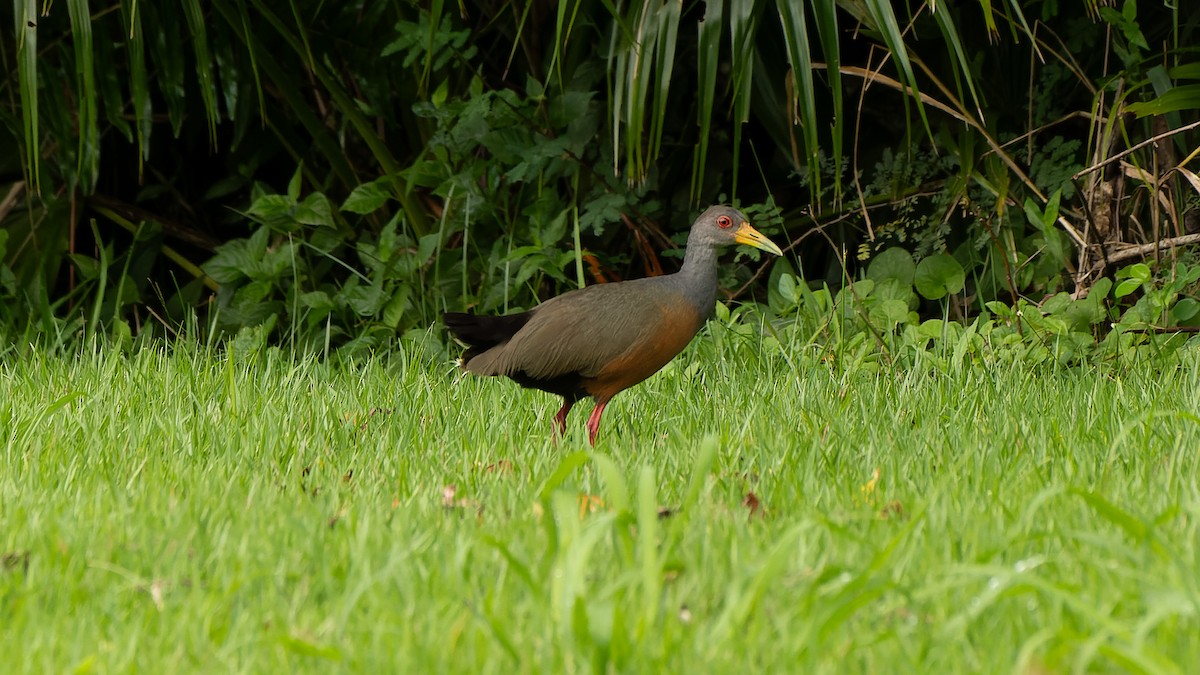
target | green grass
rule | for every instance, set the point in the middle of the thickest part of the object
(180, 510)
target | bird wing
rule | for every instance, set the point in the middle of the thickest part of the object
(582, 331)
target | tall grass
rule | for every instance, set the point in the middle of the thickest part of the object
(181, 510)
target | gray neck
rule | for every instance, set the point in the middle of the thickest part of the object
(698, 277)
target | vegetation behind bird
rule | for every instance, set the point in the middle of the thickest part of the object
(492, 159)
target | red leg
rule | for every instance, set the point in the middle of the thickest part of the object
(560, 420)
(593, 423)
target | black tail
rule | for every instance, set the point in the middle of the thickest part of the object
(482, 332)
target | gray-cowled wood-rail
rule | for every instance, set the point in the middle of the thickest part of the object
(600, 340)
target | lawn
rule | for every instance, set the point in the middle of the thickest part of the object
(746, 510)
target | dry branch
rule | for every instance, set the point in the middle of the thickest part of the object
(1127, 151)
(10, 200)
(1146, 249)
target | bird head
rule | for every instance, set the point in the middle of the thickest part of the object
(725, 226)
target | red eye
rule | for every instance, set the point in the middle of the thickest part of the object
(724, 222)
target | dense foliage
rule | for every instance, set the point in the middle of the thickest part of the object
(330, 174)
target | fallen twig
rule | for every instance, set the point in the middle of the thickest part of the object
(1146, 249)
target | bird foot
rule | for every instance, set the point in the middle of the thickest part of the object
(593, 423)
(560, 419)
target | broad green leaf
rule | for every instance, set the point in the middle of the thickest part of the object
(893, 289)
(889, 312)
(1100, 290)
(938, 276)
(1183, 97)
(235, 260)
(931, 329)
(272, 209)
(1185, 310)
(1126, 287)
(892, 263)
(1043, 219)
(426, 246)
(316, 209)
(317, 300)
(1138, 271)
(397, 306)
(862, 289)
(294, 185)
(787, 288)
(1162, 83)
(89, 267)
(1186, 71)
(366, 301)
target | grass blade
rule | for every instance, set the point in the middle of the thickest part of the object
(204, 65)
(825, 13)
(962, 69)
(742, 25)
(795, 33)
(648, 549)
(25, 12)
(708, 62)
(885, 21)
(88, 161)
(668, 33)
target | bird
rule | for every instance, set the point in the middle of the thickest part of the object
(602, 339)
